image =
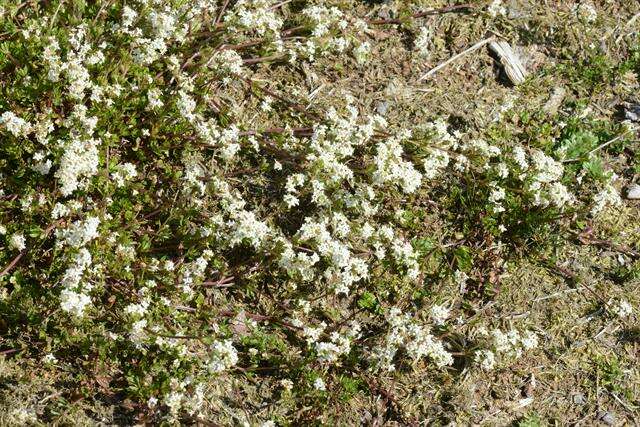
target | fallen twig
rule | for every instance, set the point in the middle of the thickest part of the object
(601, 146)
(456, 57)
(13, 263)
(607, 244)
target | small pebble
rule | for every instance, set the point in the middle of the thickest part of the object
(633, 192)
(632, 112)
(579, 399)
(382, 107)
(607, 417)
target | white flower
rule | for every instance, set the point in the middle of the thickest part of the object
(608, 196)
(548, 169)
(74, 302)
(439, 314)
(223, 356)
(124, 172)
(14, 124)
(559, 194)
(529, 340)
(520, 157)
(17, 242)
(496, 195)
(622, 309)
(486, 359)
(128, 16)
(80, 160)
(154, 99)
(391, 168)
(138, 333)
(286, 384)
(246, 227)
(496, 8)
(59, 211)
(137, 309)
(586, 11)
(361, 52)
(422, 41)
(319, 384)
(73, 274)
(49, 359)
(174, 401)
(80, 232)
(41, 165)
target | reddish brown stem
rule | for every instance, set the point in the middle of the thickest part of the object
(13, 263)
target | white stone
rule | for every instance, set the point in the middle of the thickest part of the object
(633, 192)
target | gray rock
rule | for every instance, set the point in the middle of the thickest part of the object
(384, 13)
(382, 107)
(632, 112)
(633, 192)
(607, 417)
(579, 399)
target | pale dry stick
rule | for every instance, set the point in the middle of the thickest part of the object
(55, 15)
(629, 22)
(456, 57)
(102, 8)
(556, 294)
(601, 146)
(627, 406)
(277, 5)
(222, 10)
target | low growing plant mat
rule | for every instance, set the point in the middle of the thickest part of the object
(262, 212)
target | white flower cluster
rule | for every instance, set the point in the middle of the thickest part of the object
(496, 8)
(166, 28)
(421, 43)
(181, 399)
(339, 344)
(73, 298)
(255, 16)
(79, 233)
(123, 173)
(511, 344)
(344, 269)
(17, 241)
(439, 314)
(193, 273)
(586, 11)
(299, 264)
(414, 337)
(621, 308)
(545, 173)
(607, 197)
(247, 228)
(391, 168)
(17, 126)
(223, 356)
(74, 302)
(74, 66)
(328, 222)
(80, 160)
